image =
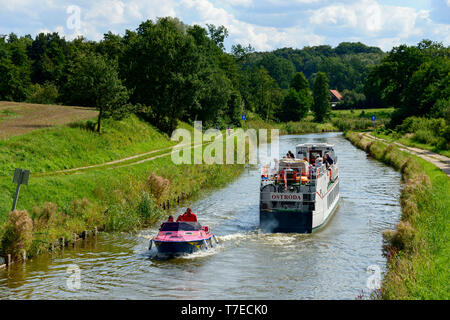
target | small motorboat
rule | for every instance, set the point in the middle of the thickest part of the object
(178, 238)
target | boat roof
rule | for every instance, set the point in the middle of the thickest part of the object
(315, 145)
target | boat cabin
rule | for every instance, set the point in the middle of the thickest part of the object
(313, 151)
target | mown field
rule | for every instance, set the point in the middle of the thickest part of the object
(19, 118)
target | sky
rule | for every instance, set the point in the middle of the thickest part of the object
(264, 24)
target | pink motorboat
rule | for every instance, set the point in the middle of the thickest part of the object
(177, 238)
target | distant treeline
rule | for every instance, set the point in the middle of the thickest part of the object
(166, 71)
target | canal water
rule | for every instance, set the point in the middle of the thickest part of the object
(247, 264)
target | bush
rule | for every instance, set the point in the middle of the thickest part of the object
(159, 186)
(435, 132)
(44, 94)
(18, 233)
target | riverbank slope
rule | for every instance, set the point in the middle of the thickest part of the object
(121, 180)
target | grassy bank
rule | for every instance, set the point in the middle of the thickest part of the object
(418, 250)
(425, 133)
(117, 198)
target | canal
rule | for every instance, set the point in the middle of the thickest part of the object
(247, 264)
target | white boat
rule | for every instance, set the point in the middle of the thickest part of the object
(299, 194)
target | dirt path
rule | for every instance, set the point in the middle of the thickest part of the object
(440, 161)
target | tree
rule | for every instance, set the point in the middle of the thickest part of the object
(161, 65)
(15, 68)
(93, 81)
(266, 96)
(298, 101)
(321, 94)
(218, 35)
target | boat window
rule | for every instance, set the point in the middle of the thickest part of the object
(180, 226)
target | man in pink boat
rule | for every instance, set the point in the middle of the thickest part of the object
(188, 216)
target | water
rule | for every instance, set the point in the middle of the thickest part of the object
(329, 264)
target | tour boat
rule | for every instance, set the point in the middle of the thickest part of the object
(299, 194)
(177, 238)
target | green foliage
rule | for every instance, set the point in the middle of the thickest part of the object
(15, 68)
(44, 94)
(93, 81)
(162, 65)
(297, 102)
(433, 132)
(414, 79)
(321, 94)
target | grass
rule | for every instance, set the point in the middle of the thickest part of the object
(66, 147)
(418, 250)
(410, 142)
(425, 133)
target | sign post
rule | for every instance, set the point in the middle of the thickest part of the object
(244, 117)
(374, 128)
(20, 177)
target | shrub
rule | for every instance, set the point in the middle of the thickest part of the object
(18, 233)
(159, 186)
(44, 94)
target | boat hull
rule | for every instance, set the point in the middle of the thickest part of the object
(180, 247)
(285, 221)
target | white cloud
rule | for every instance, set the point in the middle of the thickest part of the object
(371, 19)
(265, 24)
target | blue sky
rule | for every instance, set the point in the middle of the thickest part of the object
(265, 24)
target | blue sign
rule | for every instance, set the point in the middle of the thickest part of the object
(244, 117)
(374, 118)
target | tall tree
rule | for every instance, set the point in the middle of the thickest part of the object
(94, 82)
(298, 101)
(161, 64)
(321, 94)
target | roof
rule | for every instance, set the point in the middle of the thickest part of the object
(315, 145)
(336, 94)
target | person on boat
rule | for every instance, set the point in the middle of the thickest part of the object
(328, 160)
(188, 216)
(290, 155)
(170, 219)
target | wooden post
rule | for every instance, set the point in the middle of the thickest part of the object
(95, 231)
(62, 242)
(9, 260)
(24, 255)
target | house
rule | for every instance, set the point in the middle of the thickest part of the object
(336, 97)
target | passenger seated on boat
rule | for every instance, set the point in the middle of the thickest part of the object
(170, 219)
(290, 155)
(188, 216)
